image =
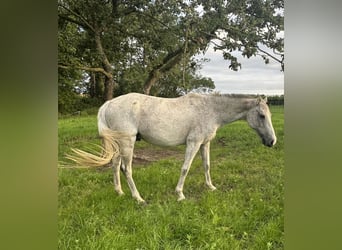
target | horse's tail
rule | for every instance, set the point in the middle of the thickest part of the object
(110, 145)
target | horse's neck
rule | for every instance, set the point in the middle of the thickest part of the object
(230, 109)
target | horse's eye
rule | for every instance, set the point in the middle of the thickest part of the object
(262, 116)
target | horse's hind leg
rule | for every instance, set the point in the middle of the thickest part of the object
(116, 177)
(205, 149)
(127, 157)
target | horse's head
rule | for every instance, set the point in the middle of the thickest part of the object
(259, 118)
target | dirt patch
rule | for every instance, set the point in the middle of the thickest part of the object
(145, 156)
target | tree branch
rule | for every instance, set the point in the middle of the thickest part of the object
(268, 54)
(84, 23)
(274, 58)
(100, 70)
(71, 20)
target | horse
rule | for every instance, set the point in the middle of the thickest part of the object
(192, 119)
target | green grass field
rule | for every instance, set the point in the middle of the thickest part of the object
(245, 212)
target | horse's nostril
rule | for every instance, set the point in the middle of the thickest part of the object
(271, 143)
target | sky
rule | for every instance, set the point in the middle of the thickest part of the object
(254, 77)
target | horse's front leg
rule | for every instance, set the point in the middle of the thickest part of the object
(190, 152)
(205, 153)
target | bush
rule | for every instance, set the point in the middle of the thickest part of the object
(78, 103)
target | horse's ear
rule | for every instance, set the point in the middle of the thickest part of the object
(261, 98)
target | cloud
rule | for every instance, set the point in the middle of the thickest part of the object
(255, 77)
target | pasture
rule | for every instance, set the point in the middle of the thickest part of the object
(245, 212)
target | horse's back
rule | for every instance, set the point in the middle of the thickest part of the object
(136, 103)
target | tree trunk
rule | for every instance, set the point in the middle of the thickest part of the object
(109, 89)
(92, 87)
(100, 85)
(109, 79)
(151, 80)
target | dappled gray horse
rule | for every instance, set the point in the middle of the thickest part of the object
(191, 119)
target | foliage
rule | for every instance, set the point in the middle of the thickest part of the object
(179, 82)
(275, 100)
(245, 212)
(136, 45)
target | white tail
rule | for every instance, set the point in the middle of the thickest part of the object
(110, 149)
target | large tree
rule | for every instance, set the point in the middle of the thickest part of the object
(151, 38)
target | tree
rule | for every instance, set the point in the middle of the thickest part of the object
(180, 81)
(67, 79)
(99, 22)
(150, 39)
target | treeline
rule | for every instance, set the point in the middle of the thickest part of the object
(108, 48)
(275, 100)
(85, 104)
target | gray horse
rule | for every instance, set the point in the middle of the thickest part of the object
(191, 119)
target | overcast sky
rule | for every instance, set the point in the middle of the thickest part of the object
(255, 77)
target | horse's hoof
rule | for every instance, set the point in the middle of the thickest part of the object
(212, 188)
(180, 198)
(141, 201)
(120, 193)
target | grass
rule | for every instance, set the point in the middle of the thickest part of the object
(245, 212)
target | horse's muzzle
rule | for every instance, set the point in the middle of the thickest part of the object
(269, 143)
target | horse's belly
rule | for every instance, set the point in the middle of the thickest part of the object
(164, 138)
(164, 126)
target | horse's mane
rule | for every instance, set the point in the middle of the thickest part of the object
(215, 94)
(236, 95)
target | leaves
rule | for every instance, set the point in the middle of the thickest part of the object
(141, 36)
